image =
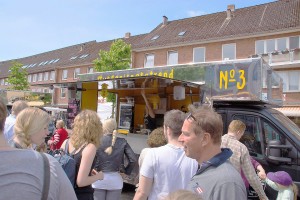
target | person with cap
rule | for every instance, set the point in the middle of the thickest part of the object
(282, 182)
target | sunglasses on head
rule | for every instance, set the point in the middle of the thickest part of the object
(190, 117)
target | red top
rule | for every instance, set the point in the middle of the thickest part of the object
(58, 138)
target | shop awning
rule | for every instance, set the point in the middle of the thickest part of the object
(35, 103)
(291, 111)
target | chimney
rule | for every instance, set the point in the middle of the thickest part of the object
(165, 20)
(127, 35)
(230, 10)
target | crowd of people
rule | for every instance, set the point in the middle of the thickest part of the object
(188, 158)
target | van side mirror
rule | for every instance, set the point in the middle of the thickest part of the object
(275, 150)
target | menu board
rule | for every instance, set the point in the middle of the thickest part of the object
(73, 110)
(125, 116)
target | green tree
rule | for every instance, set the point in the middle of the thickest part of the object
(18, 77)
(117, 58)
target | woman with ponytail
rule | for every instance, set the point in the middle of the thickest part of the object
(22, 170)
(31, 129)
(110, 161)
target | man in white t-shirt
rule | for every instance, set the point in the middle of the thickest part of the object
(166, 169)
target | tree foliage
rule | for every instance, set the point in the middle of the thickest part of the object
(117, 58)
(18, 77)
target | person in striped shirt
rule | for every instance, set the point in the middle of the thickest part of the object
(59, 136)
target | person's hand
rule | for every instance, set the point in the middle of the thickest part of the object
(50, 142)
(262, 175)
(100, 174)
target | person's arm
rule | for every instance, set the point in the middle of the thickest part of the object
(148, 106)
(83, 177)
(143, 191)
(250, 174)
(272, 184)
(132, 159)
(259, 168)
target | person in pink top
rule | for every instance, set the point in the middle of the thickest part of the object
(59, 136)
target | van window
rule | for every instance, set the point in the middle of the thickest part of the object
(252, 136)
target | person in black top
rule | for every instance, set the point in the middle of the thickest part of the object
(149, 117)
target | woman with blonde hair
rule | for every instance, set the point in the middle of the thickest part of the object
(83, 143)
(22, 170)
(31, 129)
(109, 160)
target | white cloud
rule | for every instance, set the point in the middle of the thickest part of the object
(194, 13)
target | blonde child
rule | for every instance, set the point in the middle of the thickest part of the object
(283, 183)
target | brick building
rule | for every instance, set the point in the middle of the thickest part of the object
(270, 30)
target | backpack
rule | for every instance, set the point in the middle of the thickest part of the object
(67, 162)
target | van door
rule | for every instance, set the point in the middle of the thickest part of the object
(261, 132)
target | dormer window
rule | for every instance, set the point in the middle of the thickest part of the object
(155, 37)
(181, 33)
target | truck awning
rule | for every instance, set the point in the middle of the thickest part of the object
(293, 111)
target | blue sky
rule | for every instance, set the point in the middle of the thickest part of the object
(29, 27)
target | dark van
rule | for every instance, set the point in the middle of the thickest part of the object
(272, 138)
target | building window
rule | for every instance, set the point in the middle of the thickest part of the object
(278, 44)
(64, 74)
(46, 76)
(63, 92)
(34, 77)
(291, 80)
(294, 42)
(76, 72)
(2, 82)
(52, 75)
(90, 70)
(228, 51)
(149, 60)
(45, 90)
(172, 57)
(40, 76)
(199, 54)
(29, 78)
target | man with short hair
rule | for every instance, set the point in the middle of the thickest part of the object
(241, 157)
(216, 178)
(166, 169)
(17, 107)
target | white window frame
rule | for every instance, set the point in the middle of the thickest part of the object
(90, 70)
(40, 77)
(204, 53)
(225, 45)
(63, 93)
(34, 78)
(146, 63)
(64, 74)
(52, 75)
(76, 72)
(29, 78)
(46, 76)
(176, 58)
(287, 81)
(287, 40)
